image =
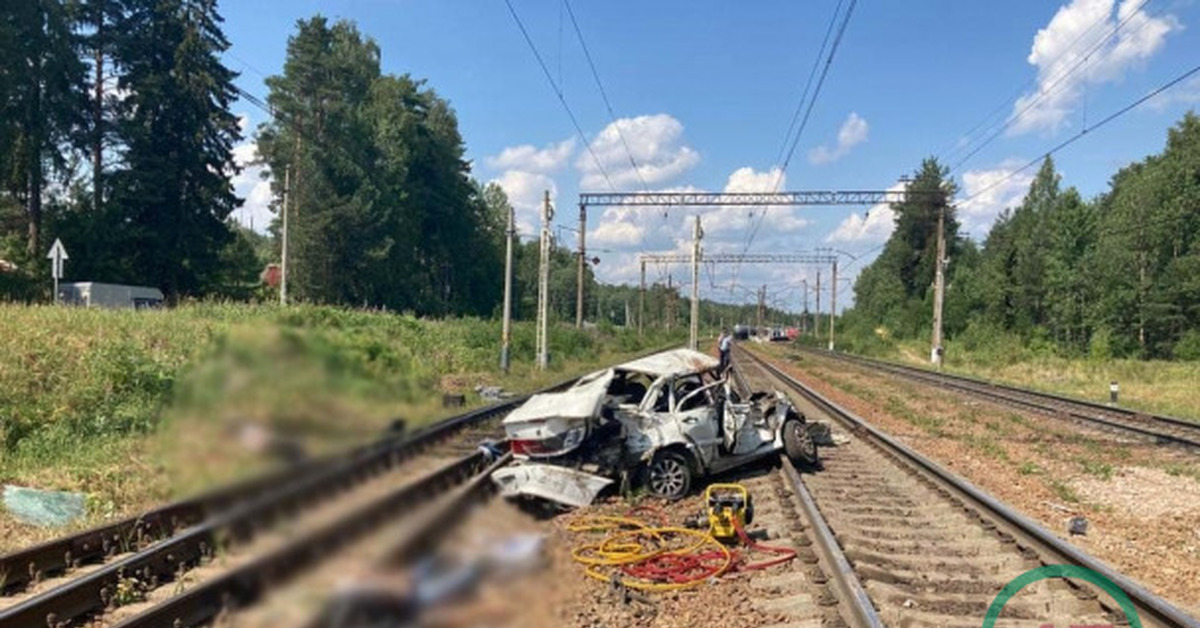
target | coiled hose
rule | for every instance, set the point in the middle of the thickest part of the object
(662, 558)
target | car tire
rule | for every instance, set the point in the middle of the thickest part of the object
(669, 475)
(799, 445)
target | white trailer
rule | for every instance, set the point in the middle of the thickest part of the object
(110, 295)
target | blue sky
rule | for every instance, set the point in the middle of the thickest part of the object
(703, 92)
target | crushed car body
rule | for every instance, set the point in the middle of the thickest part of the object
(659, 422)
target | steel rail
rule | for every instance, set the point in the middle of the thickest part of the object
(1029, 532)
(27, 565)
(848, 588)
(246, 584)
(182, 532)
(1162, 428)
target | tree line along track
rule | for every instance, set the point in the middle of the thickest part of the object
(933, 550)
(1161, 429)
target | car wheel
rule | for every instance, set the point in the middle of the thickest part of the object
(669, 475)
(799, 445)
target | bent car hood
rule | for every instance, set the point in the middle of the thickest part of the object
(579, 402)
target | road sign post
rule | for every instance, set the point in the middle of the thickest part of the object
(57, 255)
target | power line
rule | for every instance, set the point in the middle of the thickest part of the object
(812, 73)
(1051, 89)
(820, 83)
(1004, 104)
(803, 123)
(1071, 140)
(603, 94)
(558, 92)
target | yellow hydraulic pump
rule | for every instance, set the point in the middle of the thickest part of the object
(729, 507)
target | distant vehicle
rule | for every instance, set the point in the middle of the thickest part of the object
(741, 332)
(109, 295)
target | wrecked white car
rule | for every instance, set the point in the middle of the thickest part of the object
(659, 421)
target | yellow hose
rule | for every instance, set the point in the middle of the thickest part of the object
(623, 547)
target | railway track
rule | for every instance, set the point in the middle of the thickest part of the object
(164, 563)
(1161, 429)
(932, 550)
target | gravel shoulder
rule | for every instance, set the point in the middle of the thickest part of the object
(1141, 501)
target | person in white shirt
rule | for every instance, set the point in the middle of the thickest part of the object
(724, 345)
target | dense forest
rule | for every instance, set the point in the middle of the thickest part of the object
(1113, 276)
(117, 136)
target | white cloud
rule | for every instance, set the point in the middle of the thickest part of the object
(255, 212)
(741, 220)
(525, 191)
(995, 194)
(529, 158)
(872, 227)
(1187, 93)
(1060, 52)
(853, 132)
(656, 144)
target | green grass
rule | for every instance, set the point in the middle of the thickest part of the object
(899, 408)
(986, 445)
(129, 406)
(1102, 470)
(1029, 468)
(1155, 386)
(1063, 491)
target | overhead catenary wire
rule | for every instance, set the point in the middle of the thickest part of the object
(816, 92)
(1071, 140)
(604, 94)
(1052, 88)
(558, 92)
(959, 145)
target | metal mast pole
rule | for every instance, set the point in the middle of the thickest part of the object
(543, 349)
(283, 266)
(582, 263)
(817, 316)
(939, 288)
(694, 329)
(804, 321)
(506, 330)
(642, 300)
(670, 303)
(833, 303)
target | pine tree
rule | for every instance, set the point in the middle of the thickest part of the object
(174, 194)
(42, 83)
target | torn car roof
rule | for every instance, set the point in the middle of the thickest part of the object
(581, 401)
(675, 362)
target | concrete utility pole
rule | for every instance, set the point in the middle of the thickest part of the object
(283, 265)
(817, 317)
(694, 328)
(642, 300)
(543, 313)
(670, 303)
(582, 263)
(804, 321)
(833, 304)
(506, 329)
(762, 300)
(939, 288)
